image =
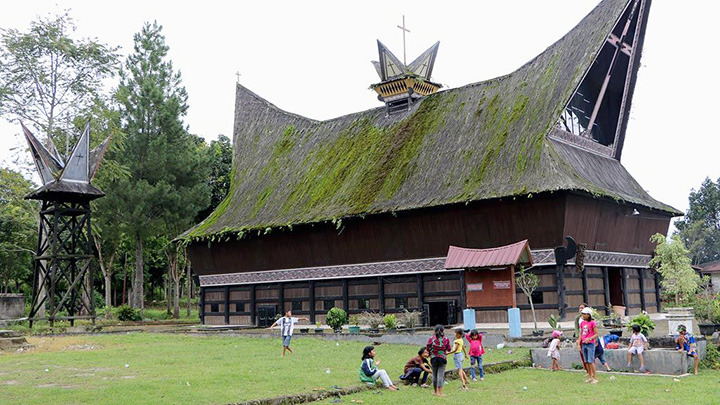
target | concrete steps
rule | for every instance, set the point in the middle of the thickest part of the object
(13, 341)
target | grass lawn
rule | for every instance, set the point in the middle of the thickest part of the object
(545, 387)
(176, 368)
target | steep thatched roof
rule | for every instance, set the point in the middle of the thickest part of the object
(481, 141)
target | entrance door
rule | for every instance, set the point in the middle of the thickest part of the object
(441, 313)
(266, 315)
(616, 292)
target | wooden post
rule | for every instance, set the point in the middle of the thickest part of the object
(463, 300)
(281, 298)
(381, 295)
(345, 296)
(311, 288)
(202, 305)
(560, 276)
(625, 291)
(606, 287)
(253, 318)
(642, 289)
(657, 291)
(227, 305)
(586, 295)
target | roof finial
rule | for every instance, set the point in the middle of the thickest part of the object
(237, 74)
(404, 30)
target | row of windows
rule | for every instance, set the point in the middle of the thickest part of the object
(363, 303)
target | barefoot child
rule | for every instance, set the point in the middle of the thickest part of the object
(459, 352)
(554, 350)
(476, 352)
(369, 372)
(638, 343)
(685, 342)
(588, 334)
(287, 326)
(438, 345)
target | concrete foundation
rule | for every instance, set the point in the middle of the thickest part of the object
(657, 361)
(12, 306)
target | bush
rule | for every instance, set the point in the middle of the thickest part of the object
(126, 313)
(336, 318)
(371, 319)
(707, 310)
(354, 320)
(712, 357)
(553, 322)
(390, 321)
(409, 319)
(643, 320)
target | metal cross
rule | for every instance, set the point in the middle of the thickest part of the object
(238, 76)
(404, 30)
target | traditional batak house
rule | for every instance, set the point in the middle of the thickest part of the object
(359, 212)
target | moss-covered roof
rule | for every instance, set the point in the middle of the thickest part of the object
(480, 141)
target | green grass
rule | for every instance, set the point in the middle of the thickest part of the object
(545, 387)
(176, 368)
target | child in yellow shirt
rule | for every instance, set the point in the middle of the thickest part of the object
(459, 353)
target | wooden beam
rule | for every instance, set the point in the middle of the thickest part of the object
(202, 305)
(560, 276)
(658, 301)
(642, 289)
(227, 305)
(345, 295)
(281, 298)
(253, 311)
(463, 300)
(420, 291)
(586, 298)
(606, 287)
(381, 295)
(311, 289)
(626, 300)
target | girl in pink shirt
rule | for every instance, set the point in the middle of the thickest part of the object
(476, 352)
(588, 335)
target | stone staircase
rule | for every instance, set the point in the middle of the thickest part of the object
(13, 341)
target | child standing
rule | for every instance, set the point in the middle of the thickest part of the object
(554, 350)
(638, 342)
(588, 334)
(476, 352)
(438, 345)
(459, 352)
(368, 370)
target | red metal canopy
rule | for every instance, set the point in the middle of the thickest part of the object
(463, 258)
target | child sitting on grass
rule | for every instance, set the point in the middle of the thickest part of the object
(476, 352)
(368, 370)
(459, 353)
(638, 343)
(554, 350)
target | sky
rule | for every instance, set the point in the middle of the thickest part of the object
(313, 58)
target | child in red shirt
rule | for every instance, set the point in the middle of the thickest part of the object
(476, 353)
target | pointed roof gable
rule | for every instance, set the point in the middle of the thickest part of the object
(423, 64)
(480, 141)
(390, 65)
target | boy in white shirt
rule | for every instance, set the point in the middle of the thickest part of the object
(638, 342)
(287, 326)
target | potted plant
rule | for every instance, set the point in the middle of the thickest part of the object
(528, 283)
(318, 327)
(390, 321)
(707, 310)
(373, 320)
(354, 327)
(643, 320)
(409, 319)
(336, 318)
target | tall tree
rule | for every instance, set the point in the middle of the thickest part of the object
(18, 230)
(47, 77)
(700, 228)
(220, 155)
(167, 166)
(672, 260)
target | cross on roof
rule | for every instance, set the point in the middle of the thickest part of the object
(404, 30)
(238, 76)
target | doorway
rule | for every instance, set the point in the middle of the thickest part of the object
(266, 315)
(441, 313)
(615, 281)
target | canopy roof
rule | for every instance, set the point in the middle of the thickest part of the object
(481, 141)
(510, 255)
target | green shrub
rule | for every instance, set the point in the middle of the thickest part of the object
(553, 322)
(390, 321)
(336, 318)
(354, 320)
(126, 313)
(409, 319)
(712, 357)
(645, 323)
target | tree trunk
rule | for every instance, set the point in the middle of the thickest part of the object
(108, 294)
(138, 294)
(189, 286)
(168, 294)
(532, 308)
(176, 309)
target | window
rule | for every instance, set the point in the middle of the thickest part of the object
(401, 302)
(214, 307)
(363, 303)
(297, 305)
(537, 297)
(327, 304)
(239, 307)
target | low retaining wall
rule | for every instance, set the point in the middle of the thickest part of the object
(12, 306)
(658, 361)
